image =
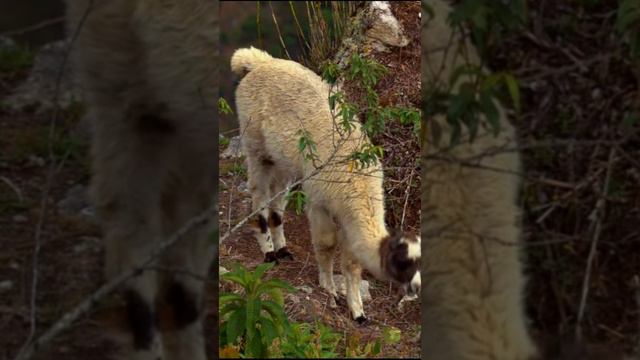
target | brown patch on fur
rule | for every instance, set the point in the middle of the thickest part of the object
(274, 219)
(176, 308)
(265, 161)
(141, 320)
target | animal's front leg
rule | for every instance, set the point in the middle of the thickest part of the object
(352, 271)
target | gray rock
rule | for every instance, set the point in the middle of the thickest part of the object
(87, 243)
(7, 43)
(36, 161)
(243, 187)
(6, 285)
(40, 87)
(75, 201)
(305, 289)
(234, 150)
(20, 218)
(342, 288)
(385, 28)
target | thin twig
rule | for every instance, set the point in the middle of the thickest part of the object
(51, 171)
(34, 27)
(13, 187)
(406, 199)
(599, 215)
(90, 302)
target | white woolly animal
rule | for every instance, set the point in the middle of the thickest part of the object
(473, 293)
(148, 72)
(276, 100)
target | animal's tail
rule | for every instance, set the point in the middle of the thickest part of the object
(246, 59)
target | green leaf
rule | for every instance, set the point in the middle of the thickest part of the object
(514, 90)
(228, 308)
(253, 314)
(277, 312)
(391, 335)
(254, 347)
(491, 112)
(223, 106)
(261, 269)
(377, 347)
(236, 325)
(225, 298)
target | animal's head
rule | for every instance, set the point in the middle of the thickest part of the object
(400, 258)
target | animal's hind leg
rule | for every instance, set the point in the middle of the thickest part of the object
(260, 196)
(127, 179)
(276, 226)
(187, 193)
(324, 238)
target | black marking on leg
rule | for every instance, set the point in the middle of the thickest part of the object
(141, 320)
(183, 305)
(362, 320)
(262, 222)
(270, 257)
(274, 219)
(266, 161)
(340, 301)
(283, 253)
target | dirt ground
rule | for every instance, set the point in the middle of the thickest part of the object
(242, 248)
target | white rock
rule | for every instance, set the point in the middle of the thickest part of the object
(342, 288)
(222, 270)
(385, 27)
(234, 150)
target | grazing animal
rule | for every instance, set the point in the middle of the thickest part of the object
(277, 101)
(474, 286)
(148, 71)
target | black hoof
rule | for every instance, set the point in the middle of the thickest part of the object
(362, 320)
(270, 257)
(283, 253)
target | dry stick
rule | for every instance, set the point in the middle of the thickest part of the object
(91, 301)
(33, 27)
(599, 214)
(281, 192)
(275, 21)
(13, 187)
(406, 199)
(636, 286)
(51, 171)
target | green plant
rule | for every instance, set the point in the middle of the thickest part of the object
(15, 58)
(473, 99)
(305, 341)
(253, 319)
(223, 141)
(628, 23)
(307, 146)
(223, 106)
(296, 199)
(238, 169)
(355, 349)
(487, 20)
